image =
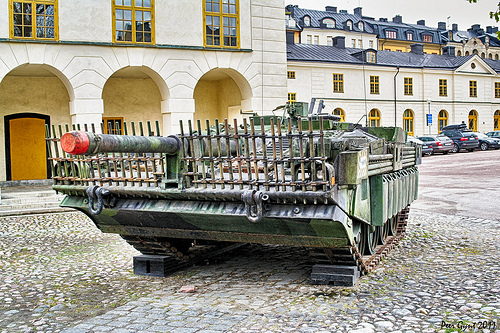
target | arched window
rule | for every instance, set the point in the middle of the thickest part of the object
(349, 24)
(307, 21)
(408, 121)
(329, 23)
(442, 119)
(374, 118)
(490, 56)
(339, 112)
(361, 26)
(483, 55)
(496, 56)
(496, 121)
(475, 52)
(473, 120)
(466, 53)
(459, 53)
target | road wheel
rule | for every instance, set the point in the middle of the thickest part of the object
(483, 146)
(455, 148)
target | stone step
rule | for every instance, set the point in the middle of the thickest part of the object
(22, 200)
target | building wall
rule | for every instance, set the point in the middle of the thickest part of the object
(85, 61)
(323, 34)
(356, 100)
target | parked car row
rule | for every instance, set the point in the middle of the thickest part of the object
(454, 138)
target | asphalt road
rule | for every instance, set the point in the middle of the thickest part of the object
(463, 184)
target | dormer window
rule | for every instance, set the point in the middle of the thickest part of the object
(329, 23)
(349, 24)
(371, 57)
(409, 35)
(390, 34)
(307, 21)
(361, 26)
(427, 38)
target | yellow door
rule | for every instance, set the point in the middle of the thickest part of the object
(28, 158)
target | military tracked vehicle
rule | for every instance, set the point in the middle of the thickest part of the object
(299, 179)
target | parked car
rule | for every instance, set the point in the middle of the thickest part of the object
(494, 134)
(485, 142)
(439, 143)
(462, 140)
(426, 147)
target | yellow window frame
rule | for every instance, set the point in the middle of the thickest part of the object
(408, 118)
(132, 7)
(221, 15)
(497, 89)
(442, 119)
(473, 88)
(292, 98)
(114, 121)
(374, 117)
(496, 120)
(290, 74)
(443, 87)
(34, 27)
(338, 83)
(339, 112)
(408, 85)
(374, 85)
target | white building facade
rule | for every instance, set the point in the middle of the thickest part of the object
(398, 89)
(123, 61)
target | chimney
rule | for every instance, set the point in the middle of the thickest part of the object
(454, 27)
(382, 19)
(397, 19)
(442, 26)
(449, 50)
(475, 27)
(339, 42)
(358, 11)
(331, 9)
(489, 29)
(421, 22)
(343, 11)
(290, 37)
(417, 48)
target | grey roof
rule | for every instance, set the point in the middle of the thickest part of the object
(402, 29)
(317, 17)
(322, 53)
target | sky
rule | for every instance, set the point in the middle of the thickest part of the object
(461, 12)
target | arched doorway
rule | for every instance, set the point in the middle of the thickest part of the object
(339, 112)
(408, 121)
(496, 121)
(222, 93)
(374, 118)
(133, 94)
(473, 120)
(31, 96)
(442, 119)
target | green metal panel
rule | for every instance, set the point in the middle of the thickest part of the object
(378, 200)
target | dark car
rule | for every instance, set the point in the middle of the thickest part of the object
(494, 134)
(426, 147)
(485, 142)
(439, 143)
(462, 140)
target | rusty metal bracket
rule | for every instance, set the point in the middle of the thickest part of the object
(253, 204)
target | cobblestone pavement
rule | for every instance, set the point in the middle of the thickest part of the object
(68, 277)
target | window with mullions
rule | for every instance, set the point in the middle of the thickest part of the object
(34, 19)
(408, 86)
(292, 98)
(374, 85)
(473, 88)
(221, 23)
(497, 89)
(338, 83)
(134, 21)
(113, 125)
(443, 87)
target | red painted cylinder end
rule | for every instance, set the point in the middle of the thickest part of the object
(75, 143)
